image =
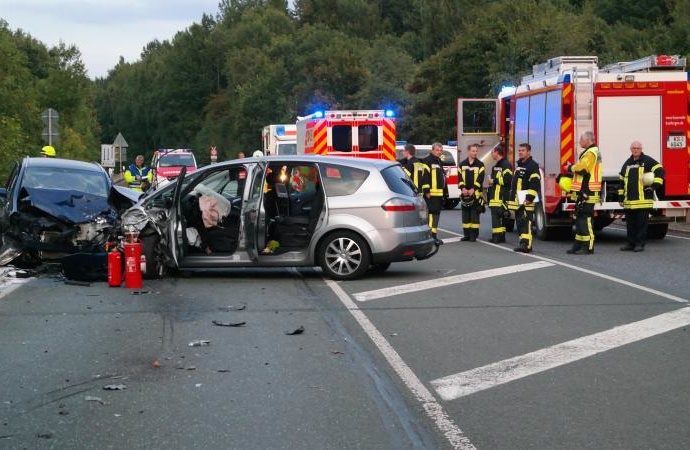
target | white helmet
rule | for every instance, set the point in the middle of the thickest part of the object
(258, 154)
(647, 179)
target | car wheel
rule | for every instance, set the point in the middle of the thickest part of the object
(379, 268)
(154, 266)
(344, 256)
(657, 230)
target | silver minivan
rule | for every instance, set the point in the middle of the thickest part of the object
(346, 215)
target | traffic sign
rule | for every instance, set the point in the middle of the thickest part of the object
(50, 132)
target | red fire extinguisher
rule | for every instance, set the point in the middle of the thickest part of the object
(115, 268)
(133, 276)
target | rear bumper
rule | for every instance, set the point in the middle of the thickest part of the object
(406, 252)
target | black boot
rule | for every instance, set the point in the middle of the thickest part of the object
(523, 248)
(495, 239)
(437, 241)
(474, 232)
(466, 237)
(576, 248)
(501, 238)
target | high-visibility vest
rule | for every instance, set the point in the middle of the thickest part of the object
(592, 176)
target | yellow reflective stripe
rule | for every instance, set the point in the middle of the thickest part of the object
(658, 166)
(531, 192)
(534, 175)
(658, 180)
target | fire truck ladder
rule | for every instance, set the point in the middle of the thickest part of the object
(583, 86)
(647, 64)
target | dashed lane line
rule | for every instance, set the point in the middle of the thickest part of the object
(465, 383)
(447, 281)
(590, 272)
(432, 407)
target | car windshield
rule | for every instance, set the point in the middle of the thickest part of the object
(171, 160)
(88, 181)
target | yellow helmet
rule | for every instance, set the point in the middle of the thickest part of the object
(647, 179)
(565, 182)
(49, 151)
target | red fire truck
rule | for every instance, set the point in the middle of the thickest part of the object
(362, 133)
(646, 100)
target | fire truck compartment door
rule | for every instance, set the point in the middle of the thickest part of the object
(621, 120)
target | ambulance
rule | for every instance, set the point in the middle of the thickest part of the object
(279, 139)
(357, 133)
(647, 100)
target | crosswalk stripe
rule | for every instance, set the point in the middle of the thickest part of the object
(447, 281)
(491, 375)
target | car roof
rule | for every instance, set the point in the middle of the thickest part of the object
(364, 163)
(60, 163)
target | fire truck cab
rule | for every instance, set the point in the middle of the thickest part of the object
(361, 133)
(646, 100)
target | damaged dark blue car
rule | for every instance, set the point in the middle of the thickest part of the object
(52, 208)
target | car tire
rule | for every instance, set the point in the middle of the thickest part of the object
(344, 255)
(657, 230)
(154, 266)
(379, 268)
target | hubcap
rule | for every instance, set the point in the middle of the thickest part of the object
(343, 256)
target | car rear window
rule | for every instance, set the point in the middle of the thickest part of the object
(398, 181)
(342, 180)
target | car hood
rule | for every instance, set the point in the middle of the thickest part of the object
(68, 205)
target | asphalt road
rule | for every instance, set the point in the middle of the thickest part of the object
(476, 347)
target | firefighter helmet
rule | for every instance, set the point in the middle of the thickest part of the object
(565, 182)
(48, 151)
(648, 179)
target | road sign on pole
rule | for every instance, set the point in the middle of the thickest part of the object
(120, 146)
(50, 132)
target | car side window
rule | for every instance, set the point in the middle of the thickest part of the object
(257, 183)
(341, 180)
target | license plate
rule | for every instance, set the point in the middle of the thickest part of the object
(675, 142)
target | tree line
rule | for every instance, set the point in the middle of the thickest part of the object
(256, 62)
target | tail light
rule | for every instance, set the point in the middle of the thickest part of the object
(398, 204)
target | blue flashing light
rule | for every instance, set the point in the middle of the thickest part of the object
(390, 113)
(318, 115)
(564, 78)
(452, 143)
(400, 143)
(280, 131)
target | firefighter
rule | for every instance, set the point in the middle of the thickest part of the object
(636, 194)
(138, 176)
(434, 188)
(499, 183)
(412, 166)
(524, 190)
(470, 180)
(585, 191)
(48, 151)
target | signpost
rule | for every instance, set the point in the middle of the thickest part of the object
(50, 132)
(120, 147)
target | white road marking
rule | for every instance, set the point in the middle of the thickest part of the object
(482, 378)
(590, 272)
(447, 281)
(433, 409)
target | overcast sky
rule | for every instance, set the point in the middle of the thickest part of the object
(104, 30)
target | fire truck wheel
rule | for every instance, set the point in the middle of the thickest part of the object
(451, 203)
(657, 230)
(154, 266)
(344, 255)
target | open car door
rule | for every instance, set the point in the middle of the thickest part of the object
(252, 210)
(177, 227)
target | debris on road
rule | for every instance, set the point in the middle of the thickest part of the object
(90, 398)
(142, 292)
(299, 330)
(228, 324)
(223, 370)
(77, 283)
(44, 435)
(156, 364)
(232, 308)
(200, 343)
(114, 387)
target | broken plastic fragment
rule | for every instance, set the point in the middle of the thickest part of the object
(200, 343)
(114, 387)
(233, 308)
(299, 330)
(90, 398)
(228, 324)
